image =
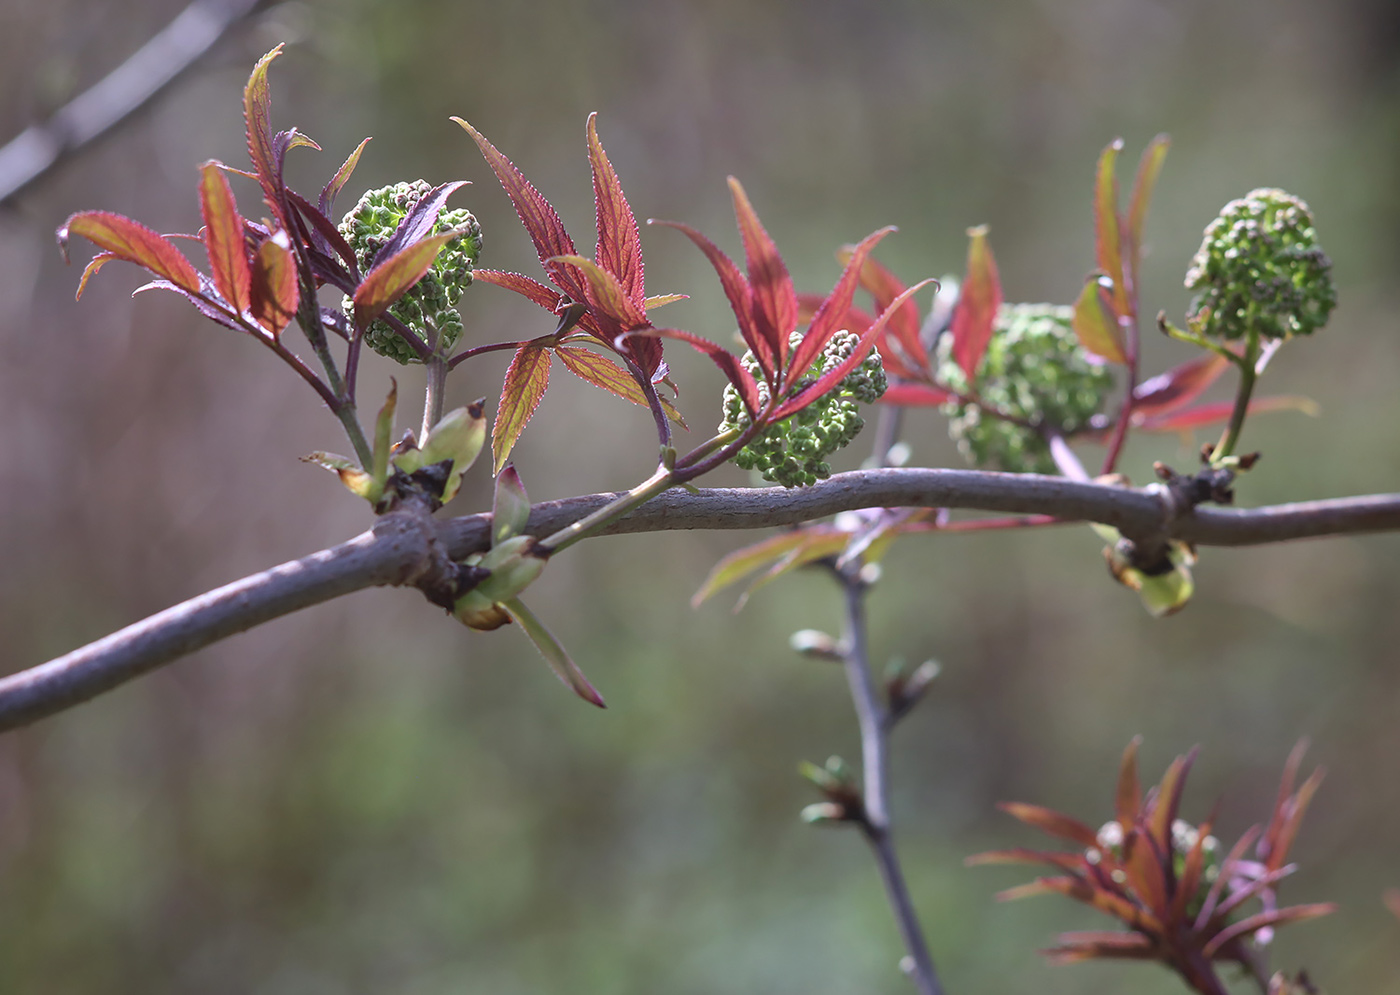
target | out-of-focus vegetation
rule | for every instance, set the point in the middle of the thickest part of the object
(367, 798)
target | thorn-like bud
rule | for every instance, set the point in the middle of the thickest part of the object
(905, 687)
(815, 644)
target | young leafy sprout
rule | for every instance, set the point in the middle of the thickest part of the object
(1260, 268)
(793, 452)
(1034, 370)
(432, 302)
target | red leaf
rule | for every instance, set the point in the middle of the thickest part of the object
(536, 214)
(391, 279)
(1178, 386)
(1074, 947)
(523, 285)
(1129, 794)
(1096, 323)
(1168, 800)
(736, 288)
(94, 264)
(603, 372)
(223, 238)
(342, 175)
(727, 362)
(418, 222)
(257, 117)
(619, 244)
(915, 395)
(976, 311)
(526, 380)
(1072, 862)
(1143, 184)
(1108, 246)
(830, 379)
(133, 242)
(773, 299)
(833, 311)
(1289, 810)
(1049, 821)
(1293, 913)
(606, 295)
(1216, 412)
(275, 290)
(883, 287)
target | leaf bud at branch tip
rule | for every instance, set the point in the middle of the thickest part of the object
(815, 644)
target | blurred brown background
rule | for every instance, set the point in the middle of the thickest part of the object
(368, 798)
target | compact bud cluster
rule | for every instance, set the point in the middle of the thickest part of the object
(793, 452)
(1260, 267)
(1034, 370)
(432, 302)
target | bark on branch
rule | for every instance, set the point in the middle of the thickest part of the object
(399, 550)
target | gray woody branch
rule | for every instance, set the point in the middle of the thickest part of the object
(401, 550)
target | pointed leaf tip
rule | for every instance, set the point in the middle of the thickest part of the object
(619, 243)
(974, 316)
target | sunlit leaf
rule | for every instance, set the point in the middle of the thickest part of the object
(356, 480)
(915, 395)
(391, 279)
(619, 244)
(276, 292)
(603, 372)
(1143, 184)
(1185, 419)
(133, 242)
(1108, 245)
(815, 546)
(974, 317)
(342, 175)
(773, 299)
(526, 380)
(458, 437)
(727, 362)
(883, 287)
(546, 297)
(417, 223)
(384, 434)
(257, 116)
(1052, 822)
(661, 300)
(737, 565)
(605, 293)
(223, 238)
(1096, 324)
(90, 270)
(510, 508)
(1178, 386)
(832, 313)
(553, 652)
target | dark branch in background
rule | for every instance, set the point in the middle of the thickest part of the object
(399, 552)
(119, 94)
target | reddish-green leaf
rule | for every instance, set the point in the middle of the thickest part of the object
(257, 117)
(94, 264)
(603, 372)
(223, 238)
(915, 395)
(619, 244)
(1287, 820)
(1071, 948)
(1185, 419)
(510, 509)
(727, 362)
(1096, 323)
(827, 381)
(553, 652)
(883, 287)
(1143, 184)
(1168, 800)
(737, 565)
(773, 298)
(1052, 822)
(526, 380)
(1108, 246)
(337, 182)
(133, 242)
(391, 278)
(275, 290)
(814, 546)
(536, 214)
(661, 300)
(1129, 795)
(1276, 917)
(1178, 386)
(545, 297)
(976, 311)
(604, 293)
(418, 222)
(1072, 862)
(831, 316)
(736, 288)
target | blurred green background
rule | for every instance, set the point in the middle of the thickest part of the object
(366, 797)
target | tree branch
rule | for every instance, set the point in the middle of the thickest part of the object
(119, 94)
(401, 550)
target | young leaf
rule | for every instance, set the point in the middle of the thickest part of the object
(356, 481)
(1185, 419)
(275, 289)
(337, 182)
(605, 293)
(976, 310)
(257, 117)
(223, 238)
(1143, 184)
(526, 380)
(390, 279)
(737, 565)
(510, 509)
(619, 243)
(1095, 322)
(458, 437)
(883, 287)
(1052, 822)
(727, 362)
(915, 395)
(553, 652)
(829, 317)
(133, 242)
(1108, 246)
(1178, 386)
(383, 434)
(773, 299)
(416, 224)
(603, 372)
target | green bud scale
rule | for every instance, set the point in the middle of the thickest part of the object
(432, 302)
(794, 451)
(1260, 267)
(1034, 369)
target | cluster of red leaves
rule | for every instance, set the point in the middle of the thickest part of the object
(1180, 908)
(261, 275)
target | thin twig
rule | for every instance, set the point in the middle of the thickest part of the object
(874, 748)
(119, 94)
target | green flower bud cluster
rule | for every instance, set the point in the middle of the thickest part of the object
(1260, 267)
(793, 452)
(433, 300)
(1034, 369)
